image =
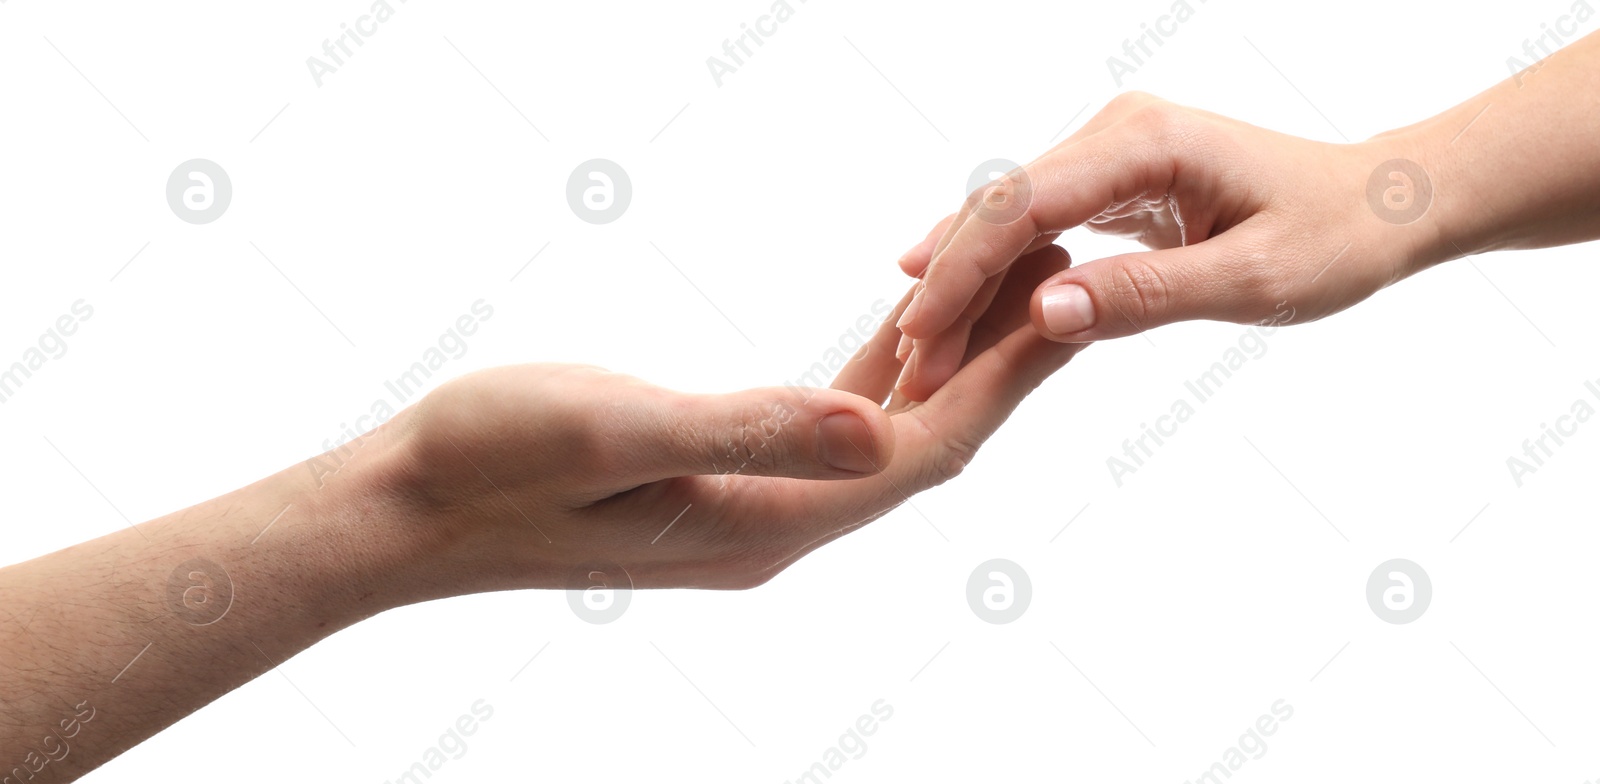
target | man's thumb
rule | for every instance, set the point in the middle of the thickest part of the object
(776, 431)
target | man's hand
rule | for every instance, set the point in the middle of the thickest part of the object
(522, 477)
(519, 477)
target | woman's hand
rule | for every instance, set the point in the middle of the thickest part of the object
(1243, 224)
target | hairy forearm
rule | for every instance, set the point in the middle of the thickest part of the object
(112, 640)
(1516, 166)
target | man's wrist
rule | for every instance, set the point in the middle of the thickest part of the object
(366, 542)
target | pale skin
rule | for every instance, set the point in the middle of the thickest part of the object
(1269, 221)
(521, 476)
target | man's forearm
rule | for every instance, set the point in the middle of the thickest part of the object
(109, 641)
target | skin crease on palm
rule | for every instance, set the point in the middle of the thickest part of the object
(521, 477)
(1243, 223)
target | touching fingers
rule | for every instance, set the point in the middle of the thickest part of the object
(999, 308)
(934, 360)
(1009, 310)
(1006, 360)
(871, 373)
(936, 440)
(1068, 187)
(916, 260)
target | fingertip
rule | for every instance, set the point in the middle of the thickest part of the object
(844, 442)
(907, 372)
(920, 321)
(855, 442)
(947, 290)
(912, 311)
(914, 262)
(937, 361)
(853, 436)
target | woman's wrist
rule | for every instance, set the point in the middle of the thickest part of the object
(1420, 197)
(1514, 167)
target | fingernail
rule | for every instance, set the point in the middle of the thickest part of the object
(1067, 309)
(904, 348)
(909, 370)
(911, 310)
(845, 443)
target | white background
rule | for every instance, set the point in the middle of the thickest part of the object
(1189, 599)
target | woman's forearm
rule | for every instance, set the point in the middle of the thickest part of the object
(1518, 166)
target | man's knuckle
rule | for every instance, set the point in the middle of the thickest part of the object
(955, 454)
